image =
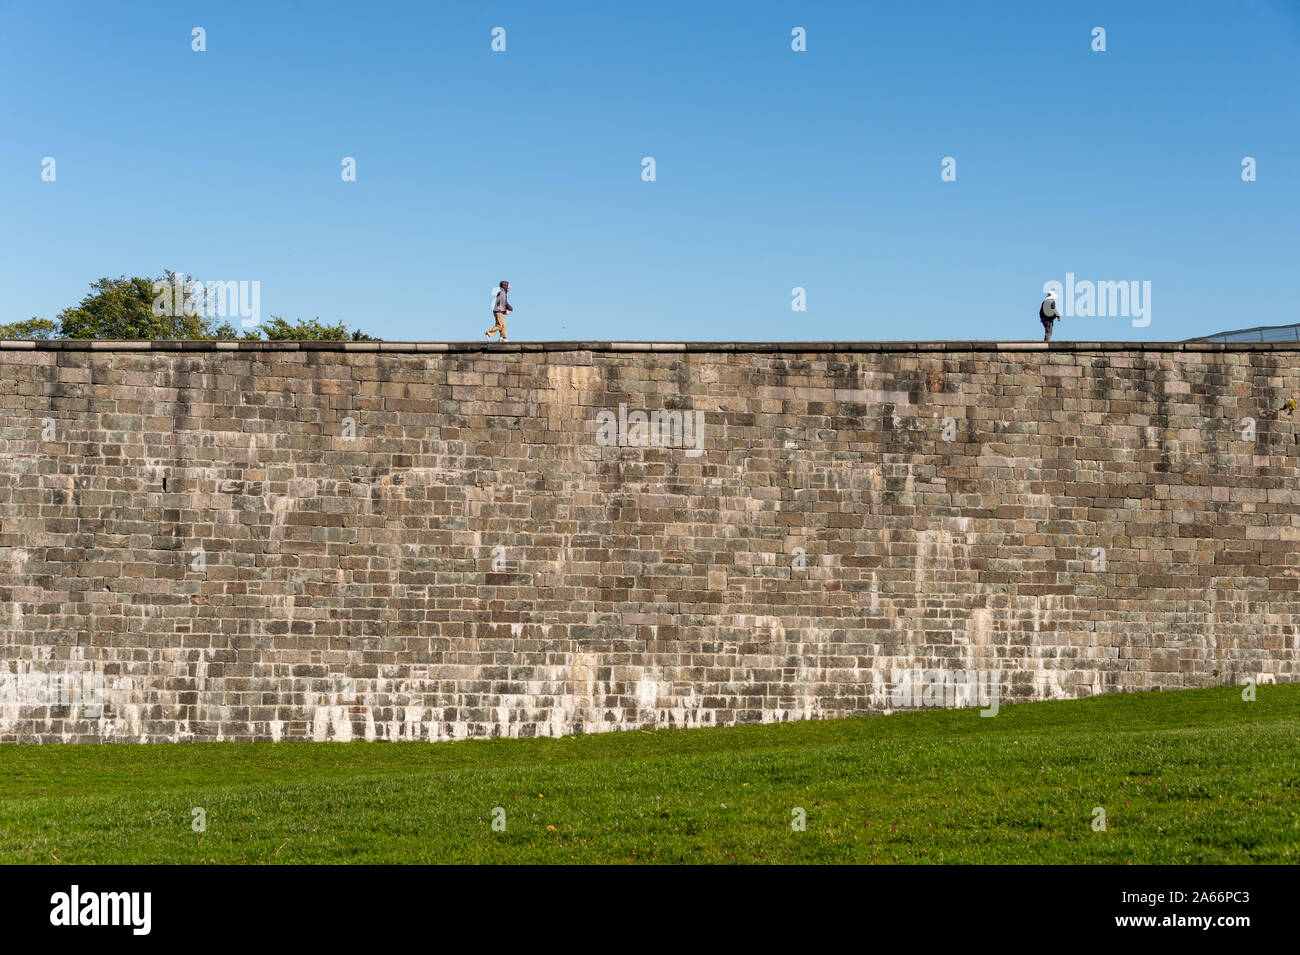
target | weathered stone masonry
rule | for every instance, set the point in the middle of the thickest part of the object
(194, 544)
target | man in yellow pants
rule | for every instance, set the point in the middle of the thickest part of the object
(500, 306)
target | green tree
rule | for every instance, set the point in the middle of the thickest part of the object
(148, 309)
(131, 308)
(279, 330)
(227, 332)
(34, 329)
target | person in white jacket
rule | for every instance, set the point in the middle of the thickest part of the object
(1048, 314)
(500, 306)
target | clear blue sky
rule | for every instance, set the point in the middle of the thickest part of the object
(775, 169)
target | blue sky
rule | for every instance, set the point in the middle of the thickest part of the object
(774, 168)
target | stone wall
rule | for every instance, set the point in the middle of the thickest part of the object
(431, 541)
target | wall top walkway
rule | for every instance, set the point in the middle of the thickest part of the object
(562, 346)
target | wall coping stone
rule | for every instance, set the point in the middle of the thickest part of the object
(881, 347)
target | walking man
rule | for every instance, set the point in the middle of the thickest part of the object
(1048, 313)
(500, 306)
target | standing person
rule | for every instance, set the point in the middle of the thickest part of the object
(500, 306)
(1048, 313)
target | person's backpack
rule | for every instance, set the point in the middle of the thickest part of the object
(495, 292)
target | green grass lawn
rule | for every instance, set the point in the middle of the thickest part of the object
(1198, 776)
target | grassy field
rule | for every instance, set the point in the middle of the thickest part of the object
(1191, 777)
